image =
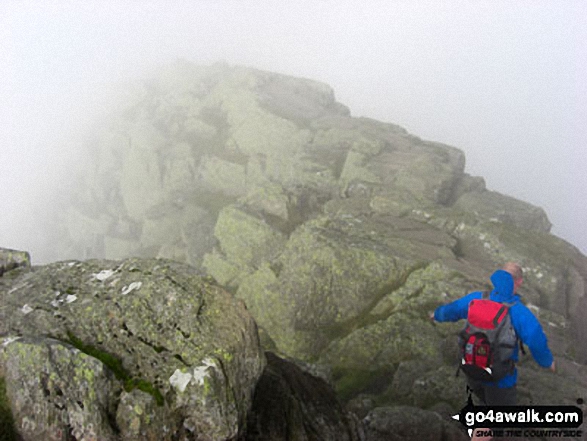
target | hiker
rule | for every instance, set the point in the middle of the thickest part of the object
(506, 282)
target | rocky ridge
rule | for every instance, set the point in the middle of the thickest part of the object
(340, 234)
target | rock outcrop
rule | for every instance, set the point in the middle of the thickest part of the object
(11, 259)
(340, 234)
(134, 349)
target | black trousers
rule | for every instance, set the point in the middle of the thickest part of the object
(493, 395)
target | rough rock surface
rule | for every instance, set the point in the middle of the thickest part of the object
(11, 259)
(56, 391)
(292, 405)
(501, 208)
(341, 234)
(402, 423)
(185, 352)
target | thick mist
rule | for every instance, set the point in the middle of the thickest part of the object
(503, 81)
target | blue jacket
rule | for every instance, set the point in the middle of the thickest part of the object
(525, 324)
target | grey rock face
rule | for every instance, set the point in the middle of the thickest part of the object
(56, 391)
(293, 405)
(11, 259)
(403, 423)
(143, 325)
(501, 208)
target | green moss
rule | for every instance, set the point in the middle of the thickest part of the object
(7, 429)
(115, 365)
(207, 386)
(226, 356)
(351, 382)
(145, 386)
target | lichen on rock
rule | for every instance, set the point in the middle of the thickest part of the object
(127, 325)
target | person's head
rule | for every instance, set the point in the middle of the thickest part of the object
(516, 271)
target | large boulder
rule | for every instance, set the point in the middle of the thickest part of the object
(246, 240)
(183, 350)
(502, 208)
(331, 273)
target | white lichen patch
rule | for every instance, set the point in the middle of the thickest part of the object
(70, 299)
(422, 213)
(17, 287)
(26, 309)
(103, 275)
(131, 287)
(6, 341)
(180, 380)
(201, 372)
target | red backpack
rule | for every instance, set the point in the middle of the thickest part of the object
(488, 340)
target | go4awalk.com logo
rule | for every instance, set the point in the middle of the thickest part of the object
(523, 421)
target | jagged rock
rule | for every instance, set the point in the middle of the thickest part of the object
(330, 274)
(403, 423)
(57, 392)
(554, 273)
(11, 259)
(405, 164)
(440, 385)
(139, 418)
(246, 240)
(227, 132)
(501, 208)
(290, 404)
(270, 199)
(156, 325)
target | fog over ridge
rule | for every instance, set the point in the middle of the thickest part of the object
(503, 82)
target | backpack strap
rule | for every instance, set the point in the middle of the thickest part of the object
(509, 305)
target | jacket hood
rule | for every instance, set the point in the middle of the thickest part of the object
(503, 283)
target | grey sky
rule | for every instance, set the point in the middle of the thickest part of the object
(504, 81)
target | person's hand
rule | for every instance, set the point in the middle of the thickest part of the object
(431, 316)
(552, 367)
